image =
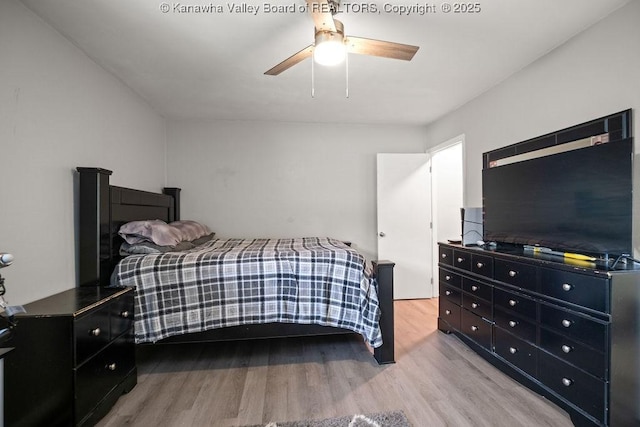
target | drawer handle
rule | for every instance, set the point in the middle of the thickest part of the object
(566, 348)
(125, 314)
(567, 382)
(475, 305)
(513, 273)
(111, 366)
(513, 350)
(460, 259)
(447, 312)
(474, 328)
(513, 302)
(447, 293)
(513, 323)
(566, 287)
(443, 256)
(566, 323)
(479, 265)
(474, 288)
(95, 332)
(447, 278)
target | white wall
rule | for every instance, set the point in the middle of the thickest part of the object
(59, 110)
(258, 179)
(592, 75)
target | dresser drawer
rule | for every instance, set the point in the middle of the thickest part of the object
(476, 328)
(586, 330)
(451, 279)
(450, 293)
(571, 351)
(450, 313)
(519, 326)
(462, 259)
(91, 333)
(587, 291)
(516, 351)
(101, 374)
(477, 289)
(482, 264)
(516, 274)
(517, 303)
(477, 306)
(446, 256)
(121, 315)
(573, 384)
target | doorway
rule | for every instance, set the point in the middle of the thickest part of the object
(447, 194)
(419, 196)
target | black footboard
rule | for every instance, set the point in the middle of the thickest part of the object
(384, 275)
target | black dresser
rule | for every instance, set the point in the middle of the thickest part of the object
(74, 355)
(568, 330)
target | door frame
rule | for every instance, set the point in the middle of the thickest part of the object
(458, 140)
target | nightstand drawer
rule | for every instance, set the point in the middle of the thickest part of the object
(92, 333)
(121, 315)
(101, 374)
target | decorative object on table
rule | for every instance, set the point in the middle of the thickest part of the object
(9, 311)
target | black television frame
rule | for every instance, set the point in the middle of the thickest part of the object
(610, 129)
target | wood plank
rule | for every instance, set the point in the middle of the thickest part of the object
(436, 380)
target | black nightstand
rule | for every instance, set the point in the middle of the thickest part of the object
(74, 356)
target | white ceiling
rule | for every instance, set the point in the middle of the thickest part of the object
(211, 65)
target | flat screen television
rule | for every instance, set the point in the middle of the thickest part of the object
(564, 191)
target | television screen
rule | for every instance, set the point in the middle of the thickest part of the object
(579, 200)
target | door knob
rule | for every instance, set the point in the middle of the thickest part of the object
(381, 234)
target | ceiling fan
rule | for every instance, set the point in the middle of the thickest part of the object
(331, 45)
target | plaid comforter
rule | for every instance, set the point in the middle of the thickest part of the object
(229, 282)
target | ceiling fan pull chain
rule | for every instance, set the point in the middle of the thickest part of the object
(346, 62)
(313, 87)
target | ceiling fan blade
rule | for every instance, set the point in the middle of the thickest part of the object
(381, 48)
(290, 61)
(321, 14)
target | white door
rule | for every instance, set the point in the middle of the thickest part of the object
(404, 216)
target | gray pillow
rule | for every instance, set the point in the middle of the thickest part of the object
(203, 239)
(144, 248)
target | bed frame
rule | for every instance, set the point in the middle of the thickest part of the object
(103, 208)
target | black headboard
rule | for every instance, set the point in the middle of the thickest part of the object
(103, 209)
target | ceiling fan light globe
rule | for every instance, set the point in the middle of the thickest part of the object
(329, 52)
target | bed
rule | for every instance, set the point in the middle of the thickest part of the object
(104, 208)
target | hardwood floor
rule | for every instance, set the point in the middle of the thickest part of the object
(436, 381)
